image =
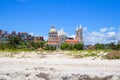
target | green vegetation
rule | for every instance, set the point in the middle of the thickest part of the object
(99, 46)
(92, 53)
(16, 45)
(110, 46)
(47, 47)
(86, 53)
(14, 42)
(72, 47)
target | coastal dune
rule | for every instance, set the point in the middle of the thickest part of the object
(57, 66)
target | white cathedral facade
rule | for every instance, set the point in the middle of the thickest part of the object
(56, 38)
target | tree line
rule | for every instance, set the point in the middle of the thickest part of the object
(17, 43)
(111, 46)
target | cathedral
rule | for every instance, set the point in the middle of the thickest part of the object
(56, 38)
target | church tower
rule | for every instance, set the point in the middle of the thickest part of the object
(53, 37)
(79, 34)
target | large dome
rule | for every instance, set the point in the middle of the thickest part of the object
(53, 30)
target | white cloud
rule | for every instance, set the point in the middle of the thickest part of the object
(95, 34)
(36, 35)
(98, 37)
(31, 33)
(93, 37)
(111, 28)
(103, 29)
(73, 36)
(111, 34)
(107, 29)
(45, 38)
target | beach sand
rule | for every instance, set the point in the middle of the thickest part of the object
(33, 66)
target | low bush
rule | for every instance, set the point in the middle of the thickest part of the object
(77, 55)
(92, 54)
(113, 55)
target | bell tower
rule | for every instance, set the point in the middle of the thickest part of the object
(79, 34)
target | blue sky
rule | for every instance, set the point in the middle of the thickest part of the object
(100, 18)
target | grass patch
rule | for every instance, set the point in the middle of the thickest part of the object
(74, 53)
(90, 55)
(87, 53)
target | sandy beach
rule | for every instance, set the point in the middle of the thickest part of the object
(33, 66)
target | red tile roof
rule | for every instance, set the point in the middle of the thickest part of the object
(71, 41)
(52, 43)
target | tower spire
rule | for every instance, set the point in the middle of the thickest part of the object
(77, 28)
(80, 26)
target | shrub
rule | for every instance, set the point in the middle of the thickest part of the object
(52, 48)
(75, 54)
(65, 46)
(99, 46)
(78, 46)
(113, 55)
(90, 54)
(48, 47)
